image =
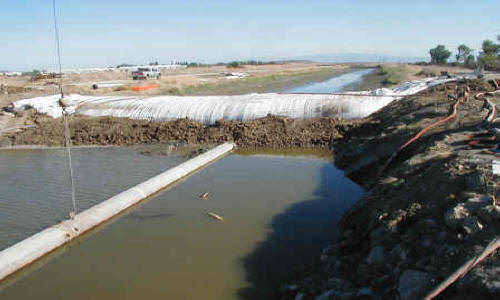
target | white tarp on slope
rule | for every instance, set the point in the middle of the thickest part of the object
(208, 109)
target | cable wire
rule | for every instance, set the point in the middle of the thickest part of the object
(58, 47)
(67, 140)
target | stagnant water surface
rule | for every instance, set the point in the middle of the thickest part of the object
(279, 212)
(333, 85)
(35, 191)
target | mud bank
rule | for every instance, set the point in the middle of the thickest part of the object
(424, 215)
(270, 131)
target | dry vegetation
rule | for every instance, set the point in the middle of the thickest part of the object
(394, 74)
(192, 80)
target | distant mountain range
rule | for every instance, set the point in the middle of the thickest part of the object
(358, 57)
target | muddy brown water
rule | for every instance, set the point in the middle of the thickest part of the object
(280, 209)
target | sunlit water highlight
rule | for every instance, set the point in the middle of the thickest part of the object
(334, 84)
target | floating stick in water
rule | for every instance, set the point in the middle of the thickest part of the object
(216, 216)
(204, 195)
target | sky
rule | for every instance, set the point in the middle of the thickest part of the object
(106, 33)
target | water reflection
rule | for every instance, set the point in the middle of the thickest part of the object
(35, 191)
(334, 84)
(313, 152)
(298, 235)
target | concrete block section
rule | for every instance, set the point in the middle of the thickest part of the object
(29, 250)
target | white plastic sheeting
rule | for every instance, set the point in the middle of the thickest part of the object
(209, 109)
(36, 246)
(120, 69)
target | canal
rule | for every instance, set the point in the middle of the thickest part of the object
(279, 208)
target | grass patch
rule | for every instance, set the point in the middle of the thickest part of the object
(426, 73)
(253, 83)
(394, 74)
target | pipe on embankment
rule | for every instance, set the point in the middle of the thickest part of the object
(102, 85)
(29, 250)
(16, 128)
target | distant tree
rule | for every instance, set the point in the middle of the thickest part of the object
(155, 63)
(233, 64)
(439, 55)
(463, 53)
(252, 62)
(124, 65)
(470, 61)
(33, 72)
(490, 48)
(490, 55)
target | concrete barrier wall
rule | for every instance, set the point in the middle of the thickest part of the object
(40, 244)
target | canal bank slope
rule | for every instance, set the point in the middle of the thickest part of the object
(271, 131)
(426, 212)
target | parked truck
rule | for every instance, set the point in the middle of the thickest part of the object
(146, 73)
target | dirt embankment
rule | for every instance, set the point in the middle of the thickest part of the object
(266, 132)
(425, 214)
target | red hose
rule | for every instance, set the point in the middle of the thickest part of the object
(452, 116)
(433, 125)
(495, 244)
(479, 96)
(421, 133)
(494, 111)
(464, 269)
